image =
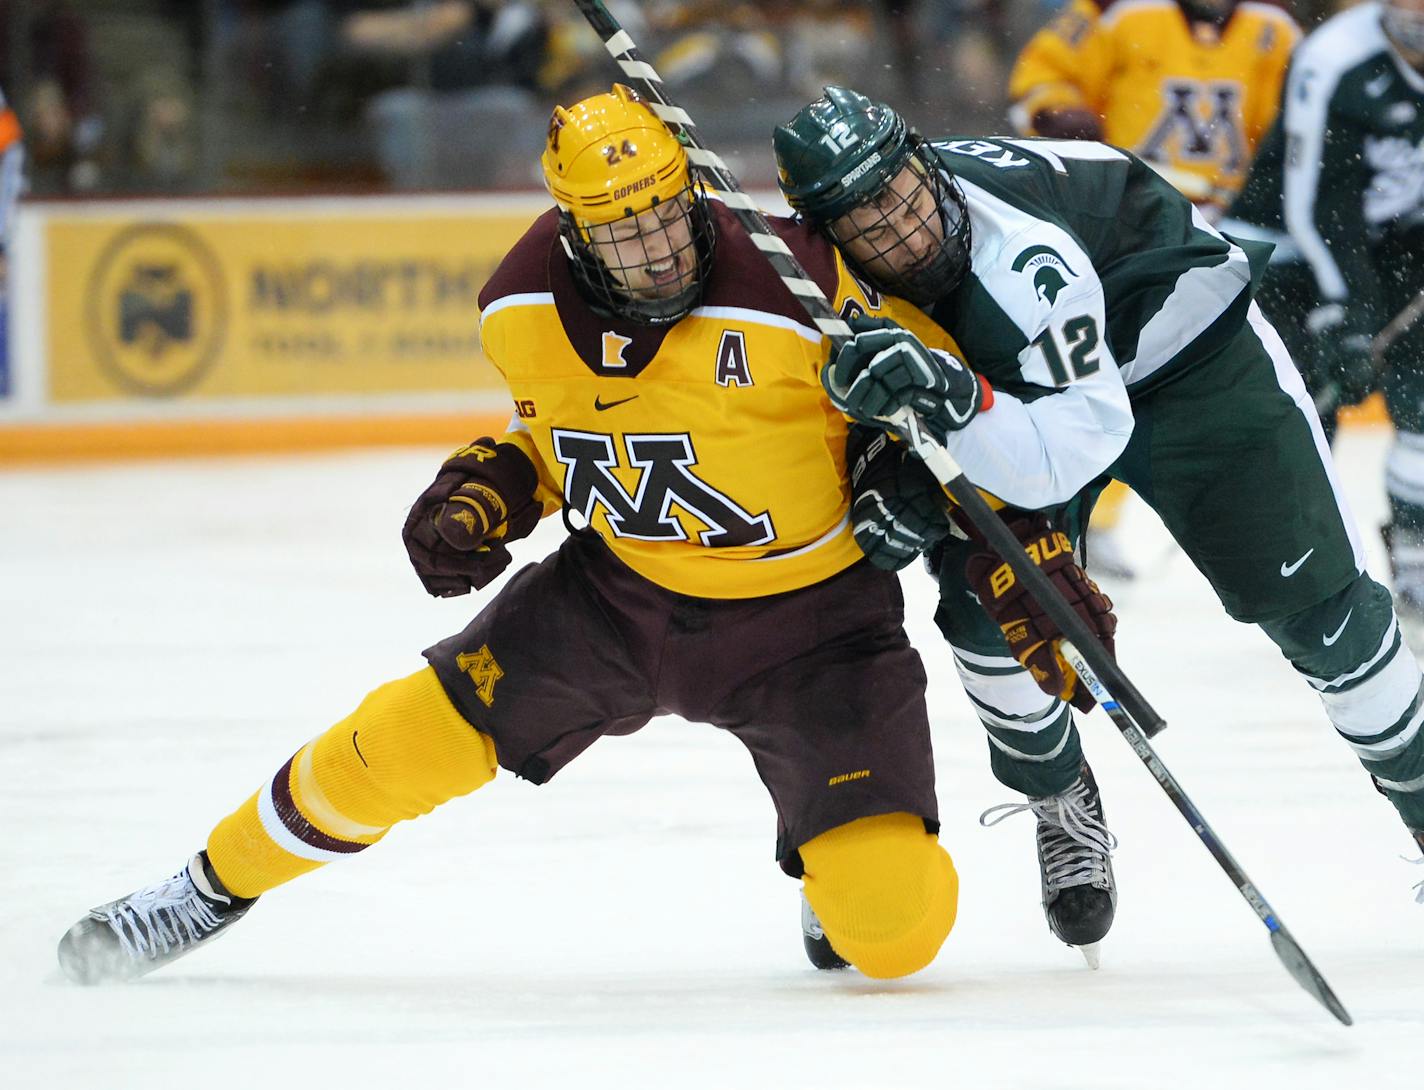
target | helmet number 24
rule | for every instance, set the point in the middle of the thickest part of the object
(613, 153)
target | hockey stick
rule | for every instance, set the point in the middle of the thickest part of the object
(1397, 327)
(1287, 949)
(1131, 713)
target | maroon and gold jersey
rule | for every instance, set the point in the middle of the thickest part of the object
(705, 453)
(1188, 96)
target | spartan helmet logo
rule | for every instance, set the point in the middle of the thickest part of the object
(1050, 272)
(1048, 282)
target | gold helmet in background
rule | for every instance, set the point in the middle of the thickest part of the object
(617, 172)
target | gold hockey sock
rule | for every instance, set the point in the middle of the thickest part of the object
(1107, 512)
(402, 753)
(884, 890)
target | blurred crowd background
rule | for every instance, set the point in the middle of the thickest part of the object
(297, 96)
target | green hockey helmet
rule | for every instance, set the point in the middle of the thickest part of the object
(839, 152)
(854, 170)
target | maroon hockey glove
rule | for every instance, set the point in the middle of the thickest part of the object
(1032, 636)
(457, 529)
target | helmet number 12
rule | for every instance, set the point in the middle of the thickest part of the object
(1079, 339)
(839, 136)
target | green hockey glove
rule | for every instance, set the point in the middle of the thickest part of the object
(1348, 364)
(885, 368)
(1344, 369)
(898, 510)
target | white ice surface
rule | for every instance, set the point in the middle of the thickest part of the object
(171, 632)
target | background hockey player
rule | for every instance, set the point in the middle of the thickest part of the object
(1191, 86)
(669, 400)
(1118, 330)
(1347, 182)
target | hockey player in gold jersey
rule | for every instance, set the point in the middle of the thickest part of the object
(668, 401)
(1191, 86)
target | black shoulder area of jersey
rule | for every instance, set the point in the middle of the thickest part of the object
(526, 267)
(743, 277)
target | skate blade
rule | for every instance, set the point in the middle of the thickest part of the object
(1092, 953)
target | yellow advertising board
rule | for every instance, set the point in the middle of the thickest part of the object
(269, 305)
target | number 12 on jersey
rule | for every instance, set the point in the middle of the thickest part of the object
(1079, 339)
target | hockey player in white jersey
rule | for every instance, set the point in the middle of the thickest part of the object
(1347, 183)
(1119, 334)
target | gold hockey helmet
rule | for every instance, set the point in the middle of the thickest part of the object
(610, 156)
(608, 160)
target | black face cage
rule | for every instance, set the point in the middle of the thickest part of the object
(602, 286)
(943, 267)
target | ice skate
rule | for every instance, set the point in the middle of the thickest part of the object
(1074, 849)
(127, 938)
(818, 947)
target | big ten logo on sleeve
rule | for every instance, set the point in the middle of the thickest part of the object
(666, 484)
(524, 408)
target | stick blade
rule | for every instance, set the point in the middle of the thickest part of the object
(1307, 975)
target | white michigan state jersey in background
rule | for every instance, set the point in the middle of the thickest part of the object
(1354, 156)
(1091, 280)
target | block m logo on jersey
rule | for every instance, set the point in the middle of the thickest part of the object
(1200, 122)
(665, 482)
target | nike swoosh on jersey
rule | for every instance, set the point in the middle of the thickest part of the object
(1287, 570)
(599, 405)
(1329, 640)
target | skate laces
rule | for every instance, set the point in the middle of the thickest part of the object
(1073, 842)
(158, 918)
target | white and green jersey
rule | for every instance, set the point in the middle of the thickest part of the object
(1092, 281)
(1353, 170)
